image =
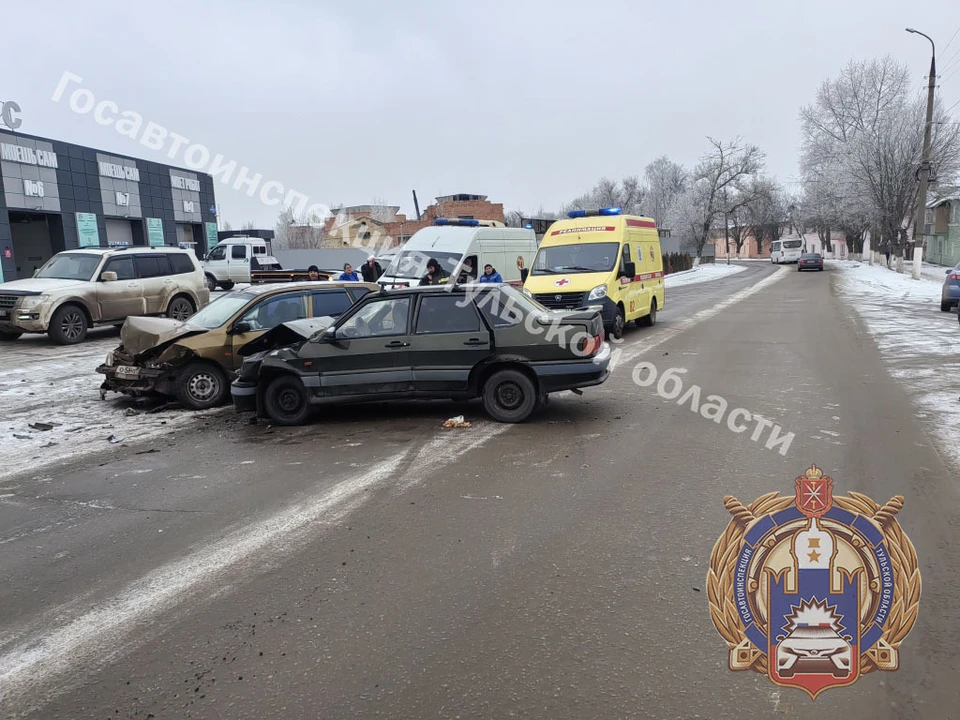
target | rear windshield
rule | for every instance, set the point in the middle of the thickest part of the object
(810, 256)
(792, 244)
(576, 258)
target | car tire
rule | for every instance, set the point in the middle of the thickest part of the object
(228, 285)
(180, 308)
(619, 323)
(211, 283)
(201, 386)
(509, 396)
(7, 336)
(68, 325)
(650, 319)
(286, 401)
(945, 306)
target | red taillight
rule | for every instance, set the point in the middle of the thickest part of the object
(590, 346)
(954, 276)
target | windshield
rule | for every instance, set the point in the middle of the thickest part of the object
(588, 257)
(413, 263)
(220, 310)
(792, 244)
(70, 266)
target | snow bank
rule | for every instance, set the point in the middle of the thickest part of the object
(920, 344)
(702, 273)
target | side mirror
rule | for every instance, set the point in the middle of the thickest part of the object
(37, 272)
(630, 269)
(524, 272)
(949, 271)
(240, 328)
(108, 276)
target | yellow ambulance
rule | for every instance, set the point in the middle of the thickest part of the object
(601, 257)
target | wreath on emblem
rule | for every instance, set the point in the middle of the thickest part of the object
(744, 654)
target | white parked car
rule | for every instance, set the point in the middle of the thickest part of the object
(78, 289)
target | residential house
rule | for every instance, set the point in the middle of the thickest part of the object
(942, 230)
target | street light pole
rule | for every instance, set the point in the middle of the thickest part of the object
(925, 164)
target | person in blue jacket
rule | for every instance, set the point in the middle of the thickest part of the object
(490, 275)
(348, 274)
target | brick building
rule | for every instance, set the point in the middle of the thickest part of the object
(385, 226)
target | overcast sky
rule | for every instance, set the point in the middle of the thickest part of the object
(526, 102)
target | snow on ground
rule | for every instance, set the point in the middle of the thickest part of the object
(43, 383)
(701, 273)
(920, 344)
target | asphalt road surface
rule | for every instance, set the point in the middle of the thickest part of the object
(374, 565)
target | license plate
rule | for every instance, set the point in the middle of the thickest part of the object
(127, 372)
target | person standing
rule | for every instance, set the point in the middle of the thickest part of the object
(490, 275)
(348, 274)
(313, 272)
(371, 270)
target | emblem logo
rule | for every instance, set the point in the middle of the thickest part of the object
(562, 281)
(813, 590)
(558, 298)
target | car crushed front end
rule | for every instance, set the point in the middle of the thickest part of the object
(149, 357)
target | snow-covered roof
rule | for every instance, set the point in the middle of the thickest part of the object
(941, 201)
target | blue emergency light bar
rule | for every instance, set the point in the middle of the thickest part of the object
(462, 222)
(593, 213)
(529, 226)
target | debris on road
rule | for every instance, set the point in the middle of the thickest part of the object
(148, 452)
(42, 426)
(130, 412)
(456, 422)
(113, 440)
(22, 437)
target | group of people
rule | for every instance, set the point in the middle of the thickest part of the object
(371, 271)
(436, 275)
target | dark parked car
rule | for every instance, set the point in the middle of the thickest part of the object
(488, 341)
(950, 295)
(810, 261)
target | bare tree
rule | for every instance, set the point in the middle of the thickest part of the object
(767, 214)
(862, 146)
(249, 225)
(628, 195)
(666, 181)
(304, 232)
(716, 188)
(227, 225)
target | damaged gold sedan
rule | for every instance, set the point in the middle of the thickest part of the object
(194, 360)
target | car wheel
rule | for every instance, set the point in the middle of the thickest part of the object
(651, 319)
(286, 401)
(619, 322)
(180, 308)
(211, 283)
(509, 396)
(944, 306)
(201, 386)
(228, 285)
(8, 336)
(68, 325)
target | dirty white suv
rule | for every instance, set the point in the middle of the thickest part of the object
(78, 289)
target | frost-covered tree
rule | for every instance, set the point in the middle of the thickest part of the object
(862, 148)
(716, 187)
(666, 181)
(629, 195)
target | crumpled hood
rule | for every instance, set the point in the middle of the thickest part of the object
(30, 286)
(139, 334)
(285, 334)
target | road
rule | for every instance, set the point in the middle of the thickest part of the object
(373, 565)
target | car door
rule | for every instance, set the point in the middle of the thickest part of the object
(448, 341)
(369, 354)
(154, 274)
(216, 263)
(238, 263)
(122, 297)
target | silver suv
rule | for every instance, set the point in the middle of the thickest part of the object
(78, 289)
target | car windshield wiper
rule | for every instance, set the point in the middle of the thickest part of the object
(543, 271)
(579, 268)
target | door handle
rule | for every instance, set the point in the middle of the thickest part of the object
(473, 342)
(131, 284)
(397, 344)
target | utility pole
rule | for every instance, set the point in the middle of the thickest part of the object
(920, 219)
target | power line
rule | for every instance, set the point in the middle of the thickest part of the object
(947, 46)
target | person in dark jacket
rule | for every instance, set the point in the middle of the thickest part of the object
(313, 272)
(348, 274)
(490, 275)
(371, 270)
(435, 274)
